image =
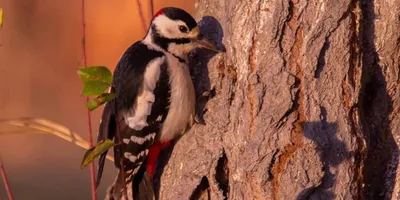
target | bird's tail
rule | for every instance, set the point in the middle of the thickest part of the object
(138, 188)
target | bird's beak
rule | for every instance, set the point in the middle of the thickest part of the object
(202, 42)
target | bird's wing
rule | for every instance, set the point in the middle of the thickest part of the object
(141, 85)
(106, 131)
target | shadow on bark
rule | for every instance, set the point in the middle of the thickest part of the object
(375, 105)
(332, 152)
(377, 153)
(198, 62)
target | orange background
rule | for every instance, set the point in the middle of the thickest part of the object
(41, 49)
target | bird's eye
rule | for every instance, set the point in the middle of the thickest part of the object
(183, 29)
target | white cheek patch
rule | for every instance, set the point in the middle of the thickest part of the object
(137, 117)
(169, 27)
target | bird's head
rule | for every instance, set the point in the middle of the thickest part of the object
(176, 31)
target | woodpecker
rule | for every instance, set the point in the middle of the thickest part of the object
(155, 97)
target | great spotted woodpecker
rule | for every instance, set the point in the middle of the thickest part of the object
(155, 100)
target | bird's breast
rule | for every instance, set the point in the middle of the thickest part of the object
(182, 100)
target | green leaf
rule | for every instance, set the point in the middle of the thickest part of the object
(96, 151)
(93, 88)
(1, 17)
(95, 79)
(95, 73)
(100, 100)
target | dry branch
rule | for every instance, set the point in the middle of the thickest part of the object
(43, 126)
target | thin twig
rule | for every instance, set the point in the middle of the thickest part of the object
(151, 11)
(88, 118)
(121, 163)
(5, 181)
(141, 15)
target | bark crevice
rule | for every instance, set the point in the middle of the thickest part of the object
(202, 190)
(321, 58)
(375, 108)
(222, 175)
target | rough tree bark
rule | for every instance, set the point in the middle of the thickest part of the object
(304, 105)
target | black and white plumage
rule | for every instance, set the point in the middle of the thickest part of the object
(155, 95)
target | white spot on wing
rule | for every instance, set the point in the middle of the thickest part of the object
(126, 140)
(137, 117)
(127, 155)
(132, 172)
(133, 158)
(141, 140)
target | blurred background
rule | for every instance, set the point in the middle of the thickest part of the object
(39, 54)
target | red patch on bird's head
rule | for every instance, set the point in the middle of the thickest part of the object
(158, 13)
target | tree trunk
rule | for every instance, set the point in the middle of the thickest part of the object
(304, 104)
